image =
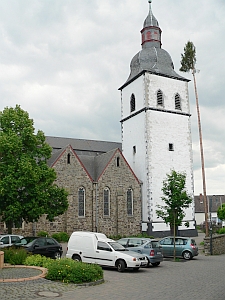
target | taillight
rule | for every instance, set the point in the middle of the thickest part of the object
(152, 253)
(192, 246)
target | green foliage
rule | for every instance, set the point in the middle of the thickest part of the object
(27, 188)
(14, 256)
(221, 231)
(69, 271)
(62, 237)
(175, 198)
(188, 59)
(221, 212)
(38, 261)
(42, 233)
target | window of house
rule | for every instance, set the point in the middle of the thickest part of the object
(160, 98)
(106, 202)
(132, 103)
(134, 149)
(130, 202)
(177, 102)
(171, 148)
(81, 202)
(68, 158)
(117, 161)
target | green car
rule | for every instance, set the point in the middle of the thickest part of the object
(185, 247)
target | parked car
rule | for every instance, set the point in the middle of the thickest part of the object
(149, 247)
(185, 247)
(42, 245)
(93, 247)
(7, 240)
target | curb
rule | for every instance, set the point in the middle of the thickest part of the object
(42, 275)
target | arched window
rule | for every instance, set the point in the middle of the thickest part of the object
(81, 202)
(160, 98)
(130, 202)
(132, 103)
(177, 102)
(106, 202)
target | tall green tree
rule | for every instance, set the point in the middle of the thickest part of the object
(221, 212)
(27, 188)
(176, 200)
(188, 62)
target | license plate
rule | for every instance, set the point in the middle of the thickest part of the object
(159, 253)
(143, 263)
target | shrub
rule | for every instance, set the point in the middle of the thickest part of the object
(42, 233)
(70, 271)
(61, 237)
(38, 260)
(221, 231)
(15, 256)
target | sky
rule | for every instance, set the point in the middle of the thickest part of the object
(63, 61)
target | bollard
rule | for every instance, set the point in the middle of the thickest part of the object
(1, 259)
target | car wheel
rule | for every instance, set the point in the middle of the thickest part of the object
(156, 264)
(187, 255)
(57, 255)
(120, 265)
(76, 258)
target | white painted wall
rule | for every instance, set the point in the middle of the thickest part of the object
(151, 131)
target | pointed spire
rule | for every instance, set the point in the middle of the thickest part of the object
(151, 32)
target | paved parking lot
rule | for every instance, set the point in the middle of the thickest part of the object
(202, 278)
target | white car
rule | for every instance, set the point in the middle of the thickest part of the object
(93, 247)
(7, 240)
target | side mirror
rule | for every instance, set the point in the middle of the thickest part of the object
(36, 246)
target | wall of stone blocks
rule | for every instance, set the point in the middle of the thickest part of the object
(218, 244)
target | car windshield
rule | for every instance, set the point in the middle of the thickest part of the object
(25, 241)
(155, 244)
(116, 246)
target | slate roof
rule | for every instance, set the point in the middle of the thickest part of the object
(216, 202)
(82, 146)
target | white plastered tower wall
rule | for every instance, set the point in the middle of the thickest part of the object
(149, 132)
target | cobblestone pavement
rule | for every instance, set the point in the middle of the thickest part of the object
(202, 278)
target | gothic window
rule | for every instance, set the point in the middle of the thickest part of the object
(130, 202)
(106, 202)
(81, 202)
(160, 98)
(68, 158)
(132, 103)
(177, 102)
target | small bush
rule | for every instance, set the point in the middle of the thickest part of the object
(42, 233)
(221, 231)
(61, 237)
(38, 260)
(70, 271)
(15, 256)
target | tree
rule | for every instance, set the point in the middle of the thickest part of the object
(188, 62)
(221, 212)
(27, 188)
(176, 200)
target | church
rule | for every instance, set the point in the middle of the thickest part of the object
(115, 188)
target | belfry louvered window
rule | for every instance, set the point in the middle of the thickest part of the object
(132, 103)
(81, 202)
(177, 102)
(106, 203)
(160, 98)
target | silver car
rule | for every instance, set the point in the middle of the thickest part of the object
(7, 240)
(185, 247)
(149, 247)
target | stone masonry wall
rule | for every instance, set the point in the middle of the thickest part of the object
(218, 244)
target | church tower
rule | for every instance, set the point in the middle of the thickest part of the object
(156, 128)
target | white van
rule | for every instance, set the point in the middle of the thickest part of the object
(94, 247)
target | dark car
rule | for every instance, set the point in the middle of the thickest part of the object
(149, 247)
(46, 246)
(185, 247)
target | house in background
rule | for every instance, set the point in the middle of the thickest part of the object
(214, 202)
